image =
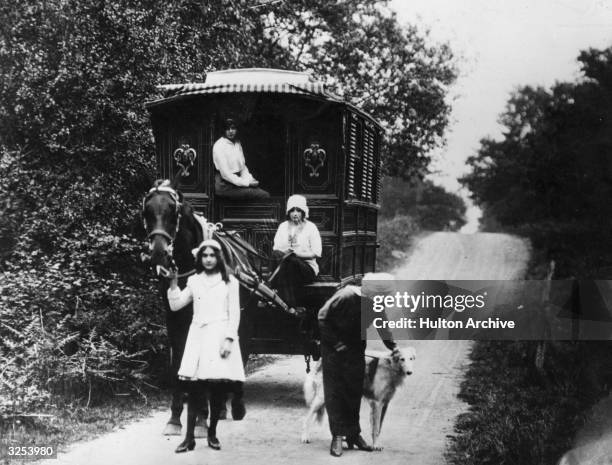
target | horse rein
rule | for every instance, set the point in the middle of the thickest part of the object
(166, 273)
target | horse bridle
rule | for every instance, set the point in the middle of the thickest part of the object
(177, 210)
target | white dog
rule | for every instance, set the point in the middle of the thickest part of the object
(383, 375)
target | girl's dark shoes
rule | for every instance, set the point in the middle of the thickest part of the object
(214, 443)
(359, 442)
(187, 444)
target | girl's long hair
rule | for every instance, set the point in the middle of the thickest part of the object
(221, 266)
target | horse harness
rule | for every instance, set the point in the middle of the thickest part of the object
(207, 228)
(161, 232)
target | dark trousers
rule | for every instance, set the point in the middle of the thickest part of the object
(294, 273)
(343, 374)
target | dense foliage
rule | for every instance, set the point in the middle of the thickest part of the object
(76, 308)
(432, 207)
(391, 71)
(551, 174)
(549, 178)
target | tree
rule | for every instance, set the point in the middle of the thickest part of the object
(552, 170)
(431, 207)
(553, 163)
(393, 72)
(77, 151)
(74, 76)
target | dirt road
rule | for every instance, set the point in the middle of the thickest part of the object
(420, 416)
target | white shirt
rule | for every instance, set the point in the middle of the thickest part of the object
(304, 238)
(213, 301)
(229, 160)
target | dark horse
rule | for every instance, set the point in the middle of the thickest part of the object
(172, 231)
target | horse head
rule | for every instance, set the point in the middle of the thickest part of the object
(171, 228)
(161, 214)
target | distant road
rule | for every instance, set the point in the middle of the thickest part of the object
(431, 400)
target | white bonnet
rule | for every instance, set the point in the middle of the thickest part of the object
(207, 243)
(297, 201)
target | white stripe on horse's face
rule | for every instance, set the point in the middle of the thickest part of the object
(161, 251)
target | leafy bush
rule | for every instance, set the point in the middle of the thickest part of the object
(74, 328)
(80, 318)
(431, 206)
(394, 234)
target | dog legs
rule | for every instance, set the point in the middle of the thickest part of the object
(314, 413)
(382, 415)
(376, 410)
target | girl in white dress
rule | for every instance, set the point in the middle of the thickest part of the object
(212, 359)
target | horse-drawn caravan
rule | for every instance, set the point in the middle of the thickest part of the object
(297, 139)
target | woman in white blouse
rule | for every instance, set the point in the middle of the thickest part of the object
(212, 359)
(233, 179)
(297, 245)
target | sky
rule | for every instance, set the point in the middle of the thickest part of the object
(502, 44)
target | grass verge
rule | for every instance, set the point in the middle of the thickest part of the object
(520, 415)
(66, 424)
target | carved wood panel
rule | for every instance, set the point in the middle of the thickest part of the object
(359, 259)
(369, 261)
(188, 132)
(200, 204)
(350, 219)
(328, 263)
(317, 151)
(371, 220)
(325, 217)
(244, 212)
(348, 260)
(361, 219)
